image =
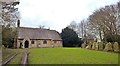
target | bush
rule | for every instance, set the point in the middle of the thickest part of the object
(8, 36)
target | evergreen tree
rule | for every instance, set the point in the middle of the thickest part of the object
(70, 38)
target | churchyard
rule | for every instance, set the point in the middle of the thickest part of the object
(61, 56)
(71, 56)
(100, 46)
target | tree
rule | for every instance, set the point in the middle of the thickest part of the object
(70, 38)
(8, 36)
(82, 28)
(79, 28)
(105, 22)
(73, 25)
(9, 15)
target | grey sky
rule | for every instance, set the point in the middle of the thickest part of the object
(57, 14)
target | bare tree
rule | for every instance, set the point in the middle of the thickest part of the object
(73, 25)
(105, 21)
(82, 28)
(9, 14)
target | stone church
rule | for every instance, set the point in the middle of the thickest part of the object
(37, 38)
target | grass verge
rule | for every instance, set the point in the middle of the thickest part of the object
(6, 53)
(17, 59)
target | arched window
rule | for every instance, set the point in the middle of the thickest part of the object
(44, 42)
(32, 42)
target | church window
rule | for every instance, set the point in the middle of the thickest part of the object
(32, 42)
(44, 42)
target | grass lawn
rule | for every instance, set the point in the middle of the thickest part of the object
(70, 56)
(6, 53)
(18, 57)
(0, 56)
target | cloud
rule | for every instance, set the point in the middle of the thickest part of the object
(57, 14)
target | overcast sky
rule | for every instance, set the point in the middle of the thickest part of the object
(57, 14)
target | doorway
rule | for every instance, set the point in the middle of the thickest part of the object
(26, 44)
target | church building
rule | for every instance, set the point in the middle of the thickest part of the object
(37, 38)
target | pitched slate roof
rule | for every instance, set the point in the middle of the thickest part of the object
(37, 33)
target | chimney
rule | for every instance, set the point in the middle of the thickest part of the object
(18, 23)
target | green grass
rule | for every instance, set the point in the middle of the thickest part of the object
(18, 58)
(6, 53)
(0, 56)
(70, 56)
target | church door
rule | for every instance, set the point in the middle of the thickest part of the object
(26, 44)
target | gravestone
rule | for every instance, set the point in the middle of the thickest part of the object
(116, 47)
(83, 45)
(108, 47)
(89, 46)
(100, 46)
(94, 45)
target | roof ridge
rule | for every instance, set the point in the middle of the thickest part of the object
(38, 28)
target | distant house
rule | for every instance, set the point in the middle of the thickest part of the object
(37, 38)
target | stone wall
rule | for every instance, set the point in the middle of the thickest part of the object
(39, 43)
